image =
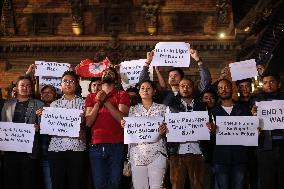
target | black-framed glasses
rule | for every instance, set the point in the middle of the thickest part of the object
(68, 82)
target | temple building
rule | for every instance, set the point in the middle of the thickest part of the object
(69, 31)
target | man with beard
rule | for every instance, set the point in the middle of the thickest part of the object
(229, 162)
(104, 112)
(187, 157)
(175, 76)
(270, 152)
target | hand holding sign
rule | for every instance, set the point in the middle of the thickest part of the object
(61, 121)
(271, 114)
(237, 130)
(174, 54)
(53, 69)
(16, 137)
(142, 129)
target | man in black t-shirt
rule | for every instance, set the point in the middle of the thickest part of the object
(20, 168)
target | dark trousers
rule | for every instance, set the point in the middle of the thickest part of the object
(68, 169)
(187, 164)
(230, 176)
(20, 171)
(271, 167)
(107, 164)
(1, 170)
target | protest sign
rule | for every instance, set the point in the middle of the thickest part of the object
(174, 54)
(141, 129)
(132, 69)
(271, 114)
(60, 122)
(243, 69)
(16, 137)
(187, 126)
(53, 69)
(237, 130)
(85, 87)
(54, 81)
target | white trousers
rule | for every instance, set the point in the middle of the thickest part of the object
(149, 176)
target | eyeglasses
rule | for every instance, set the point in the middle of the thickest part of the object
(68, 82)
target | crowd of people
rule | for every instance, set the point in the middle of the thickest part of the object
(96, 158)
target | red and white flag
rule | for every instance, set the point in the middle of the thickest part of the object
(88, 68)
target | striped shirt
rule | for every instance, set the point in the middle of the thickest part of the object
(59, 143)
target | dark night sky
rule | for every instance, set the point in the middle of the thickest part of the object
(277, 62)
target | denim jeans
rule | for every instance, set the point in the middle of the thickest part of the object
(230, 176)
(107, 164)
(46, 173)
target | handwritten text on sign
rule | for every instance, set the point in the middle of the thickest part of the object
(53, 69)
(187, 126)
(60, 122)
(132, 69)
(237, 130)
(54, 81)
(174, 54)
(271, 114)
(16, 137)
(141, 129)
(243, 70)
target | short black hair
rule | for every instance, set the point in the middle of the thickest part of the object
(93, 79)
(209, 90)
(179, 70)
(114, 71)
(153, 85)
(22, 77)
(249, 80)
(73, 74)
(48, 86)
(228, 81)
(276, 76)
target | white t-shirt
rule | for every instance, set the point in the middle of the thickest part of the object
(228, 109)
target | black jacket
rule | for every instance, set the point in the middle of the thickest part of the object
(229, 154)
(176, 106)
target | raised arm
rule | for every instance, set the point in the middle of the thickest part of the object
(31, 72)
(144, 75)
(205, 76)
(161, 80)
